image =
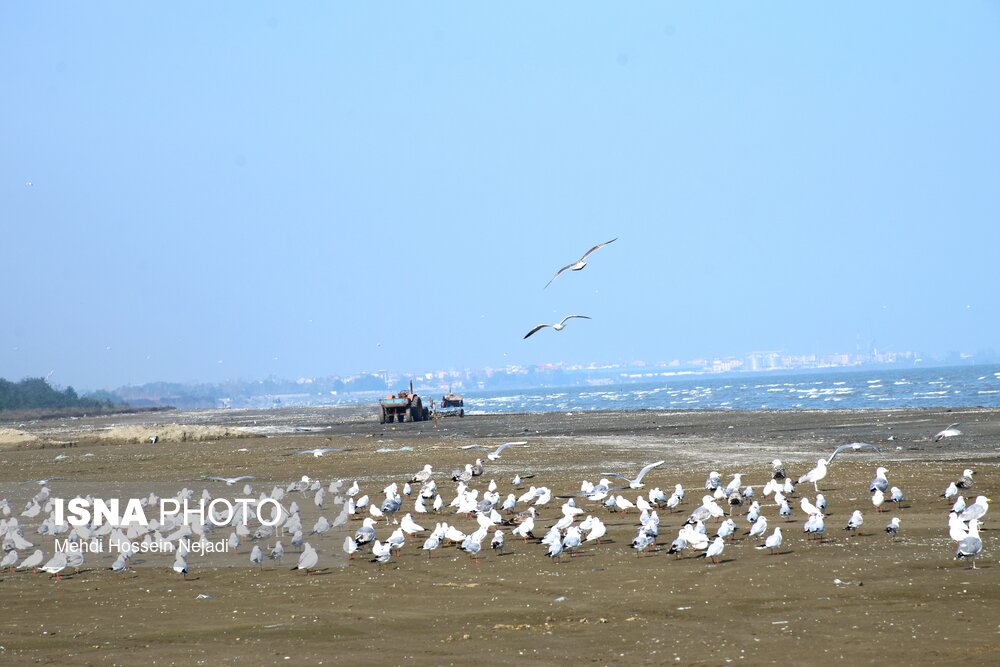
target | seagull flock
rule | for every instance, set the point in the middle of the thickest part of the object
(562, 524)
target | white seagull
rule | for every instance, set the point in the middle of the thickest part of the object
(817, 473)
(854, 447)
(949, 432)
(637, 482)
(580, 263)
(495, 454)
(230, 481)
(558, 326)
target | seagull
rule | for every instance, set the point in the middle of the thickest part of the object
(307, 559)
(950, 492)
(350, 546)
(893, 527)
(230, 481)
(976, 510)
(277, 552)
(854, 522)
(32, 561)
(965, 481)
(559, 326)
(318, 452)
(432, 542)
(497, 542)
(773, 541)
(580, 263)
(55, 565)
(880, 483)
(423, 475)
(817, 473)
(815, 525)
(382, 552)
(949, 432)
(971, 546)
(854, 447)
(715, 550)
(637, 482)
(495, 454)
(9, 560)
(180, 564)
(778, 470)
(597, 531)
(877, 499)
(257, 556)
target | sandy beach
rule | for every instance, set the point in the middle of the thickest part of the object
(857, 599)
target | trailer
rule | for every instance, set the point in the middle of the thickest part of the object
(451, 401)
(405, 406)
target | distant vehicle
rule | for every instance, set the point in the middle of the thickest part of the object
(451, 400)
(404, 406)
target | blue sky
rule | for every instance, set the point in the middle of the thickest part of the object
(229, 191)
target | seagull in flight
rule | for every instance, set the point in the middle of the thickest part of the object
(637, 482)
(580, 263)
(318, 452)
(44, 482)
(495, 454)
(230, 481)
(949, 432)
(558, 327)
(854, 447)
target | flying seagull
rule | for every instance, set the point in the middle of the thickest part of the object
(637, 482)
(580, 263)
(557, 327)
(854, 447)
(495, 454)
(230, 481)
(949, 432)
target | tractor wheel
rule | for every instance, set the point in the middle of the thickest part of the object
(461, 413)
(427, 414)
(389, 416)
(381, 415)
(407, 415)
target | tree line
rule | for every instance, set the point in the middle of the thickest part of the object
(37, 393)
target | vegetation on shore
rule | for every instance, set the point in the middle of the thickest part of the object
(36, 398)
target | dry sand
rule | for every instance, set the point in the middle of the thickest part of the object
(898, 600)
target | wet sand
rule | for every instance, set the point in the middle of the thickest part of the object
(899, 600)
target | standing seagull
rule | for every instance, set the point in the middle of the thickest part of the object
(559, 326)
(965, 481)
(580, 263)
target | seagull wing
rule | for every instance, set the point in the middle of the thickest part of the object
(955, 425)
(473, 447)
(509, 444)
(245, 477)
(540, 326)
(642, 473)
(852, 445)
(570, 317)
(559, 272)
(612, 474)
(596, 247)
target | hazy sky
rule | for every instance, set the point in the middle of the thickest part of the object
(203, 191)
